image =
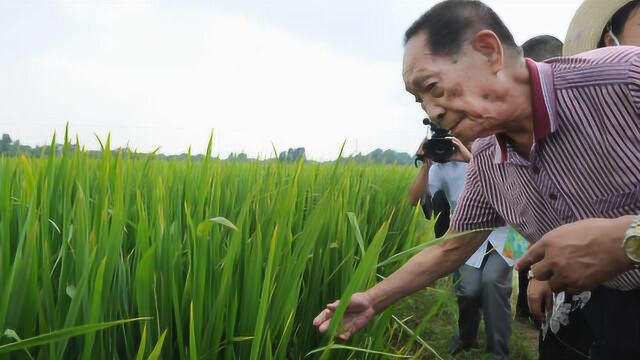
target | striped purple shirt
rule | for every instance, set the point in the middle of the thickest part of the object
(585, 159)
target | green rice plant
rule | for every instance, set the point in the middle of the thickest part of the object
(53, 336)
(227, 260)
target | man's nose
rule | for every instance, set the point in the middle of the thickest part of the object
(435, 113)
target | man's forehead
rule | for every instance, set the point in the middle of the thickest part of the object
(416, 55)
(417, 66)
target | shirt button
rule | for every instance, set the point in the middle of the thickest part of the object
(553, 197)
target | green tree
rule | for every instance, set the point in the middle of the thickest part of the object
(5, 143)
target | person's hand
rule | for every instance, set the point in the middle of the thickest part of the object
(420, 150)
(358, 314)
(462, 153)
(426, 162)
(539, 298)
(579, 256)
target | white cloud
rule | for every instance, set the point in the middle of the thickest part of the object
(104, 12)
(167, 84)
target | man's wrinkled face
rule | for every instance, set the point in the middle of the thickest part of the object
(458, 92)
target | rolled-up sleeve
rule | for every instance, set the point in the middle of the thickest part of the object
(474, 211)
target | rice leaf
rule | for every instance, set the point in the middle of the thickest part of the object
(62, 334)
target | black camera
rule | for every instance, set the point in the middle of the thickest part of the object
(438, 148)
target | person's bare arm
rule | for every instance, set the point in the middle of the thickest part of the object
(419, 272)
(419, 185)
(425, 268)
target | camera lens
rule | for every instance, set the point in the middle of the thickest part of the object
(439, 149)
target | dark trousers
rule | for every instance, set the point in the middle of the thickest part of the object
(614, 317)
(522, 306)
(572, 342)
(607, 328)
(485, 290)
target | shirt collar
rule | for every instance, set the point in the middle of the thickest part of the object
(543, 101)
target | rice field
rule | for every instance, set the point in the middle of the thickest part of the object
(201, 259)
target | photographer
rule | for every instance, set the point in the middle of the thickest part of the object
(484, 281)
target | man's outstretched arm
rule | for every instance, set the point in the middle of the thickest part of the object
(419, 272)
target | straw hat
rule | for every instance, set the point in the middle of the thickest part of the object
(587, 24)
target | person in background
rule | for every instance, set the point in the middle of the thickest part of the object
(598, 24)
(483, 283)
(433, 204)
(542, 47)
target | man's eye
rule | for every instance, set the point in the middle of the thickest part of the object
(434, 90)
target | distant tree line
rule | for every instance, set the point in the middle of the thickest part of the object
(376, 156)
(10, 147)
(384, 157)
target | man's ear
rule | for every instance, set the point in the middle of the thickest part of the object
(486, 42)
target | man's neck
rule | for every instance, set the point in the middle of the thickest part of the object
(521, 129)
(522, 141)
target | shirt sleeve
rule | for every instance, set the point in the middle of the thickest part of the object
(436, 181)
(634, 83)
(474, 211)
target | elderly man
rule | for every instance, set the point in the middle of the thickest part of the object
(556, 157)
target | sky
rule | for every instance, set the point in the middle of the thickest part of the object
(260, 75)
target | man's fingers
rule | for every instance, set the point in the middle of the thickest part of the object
(548, 301)
(574, 290)
(536, 308)
(350, 330)
(557, 284)
(324, 315)
(345, 335)
(542, 271)
(532, 256)
(334, 305)
(324, 326)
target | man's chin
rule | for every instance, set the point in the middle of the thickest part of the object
(465, 136)
(471, 134)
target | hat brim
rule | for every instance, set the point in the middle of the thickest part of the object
(587, 24)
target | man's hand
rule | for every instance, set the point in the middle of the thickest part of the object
(579, 256)
(462, 153)
(420, 271)
(358, 314)
(539, 298)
